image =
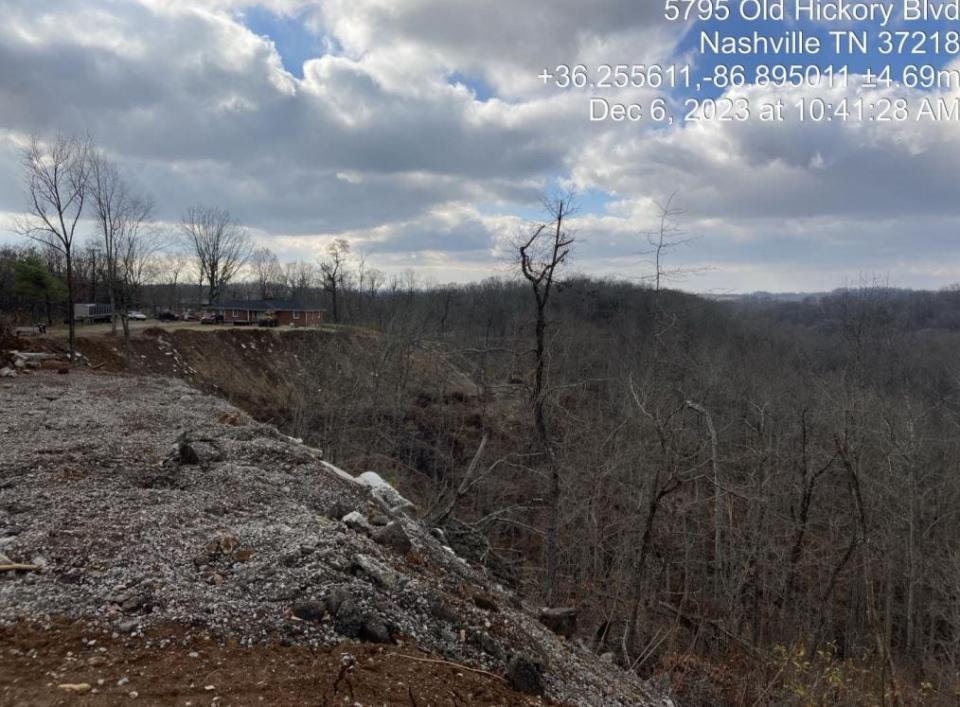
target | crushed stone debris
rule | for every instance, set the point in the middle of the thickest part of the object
(256, 542)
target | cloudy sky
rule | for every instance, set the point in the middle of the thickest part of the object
(419, 130)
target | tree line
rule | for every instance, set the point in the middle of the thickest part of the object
(73, 189)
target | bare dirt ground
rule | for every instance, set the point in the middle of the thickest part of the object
(171, 667)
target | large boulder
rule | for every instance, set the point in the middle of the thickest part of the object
(393, 536)
(388, 496)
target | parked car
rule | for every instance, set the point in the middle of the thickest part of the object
(137, 316)
(189, 316)
(211, 318)
(168, 316)
(269, 320)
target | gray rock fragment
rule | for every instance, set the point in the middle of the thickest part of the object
(525, 674)
(393, 536)
(355, 520)
(378, 573)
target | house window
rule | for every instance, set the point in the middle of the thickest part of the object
(296, 315)
(236, 314)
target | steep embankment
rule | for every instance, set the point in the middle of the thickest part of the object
(380, 401)
(237, 532)
(265, 371)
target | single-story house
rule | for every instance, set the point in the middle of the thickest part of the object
(287, 313)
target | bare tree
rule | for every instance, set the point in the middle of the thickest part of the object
(171, 267)
(116, 211)
(267, 270)
(299, 277)
(541, 254)
(333, 272)
(667, 237)
(57, 180)
(136, 246)
(220, 246)
(121, 218)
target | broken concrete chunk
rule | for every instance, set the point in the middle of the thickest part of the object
(393, 536)
(374, 571)
(385, 494)
(355, 520)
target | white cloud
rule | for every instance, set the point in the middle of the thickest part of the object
(374, 143)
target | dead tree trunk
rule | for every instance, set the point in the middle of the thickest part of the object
(540, 256)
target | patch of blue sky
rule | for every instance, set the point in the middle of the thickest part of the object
(592, 202)
(480, 89)
(296, 43)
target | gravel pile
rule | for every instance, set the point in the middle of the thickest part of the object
(141, 501)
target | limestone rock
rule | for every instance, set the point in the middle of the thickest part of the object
(355, 520)
(393, 535)
(562, 622)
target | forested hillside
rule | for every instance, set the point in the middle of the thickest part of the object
(763, 491)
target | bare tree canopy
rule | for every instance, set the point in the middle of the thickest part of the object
(120, 215)
(267, 271)
(666, 238)
(57, 176)
(220, 246)
(299, 277)
(121, 218)
(333, 272)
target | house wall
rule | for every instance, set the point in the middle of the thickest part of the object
(299, 319)
(238, 315)
(284, 317)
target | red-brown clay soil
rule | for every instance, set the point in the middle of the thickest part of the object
(171, 667)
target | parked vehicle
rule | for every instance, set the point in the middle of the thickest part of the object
(89, 313)
(168, 316)
(268, 320)
(137, 316)
(211, 318)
